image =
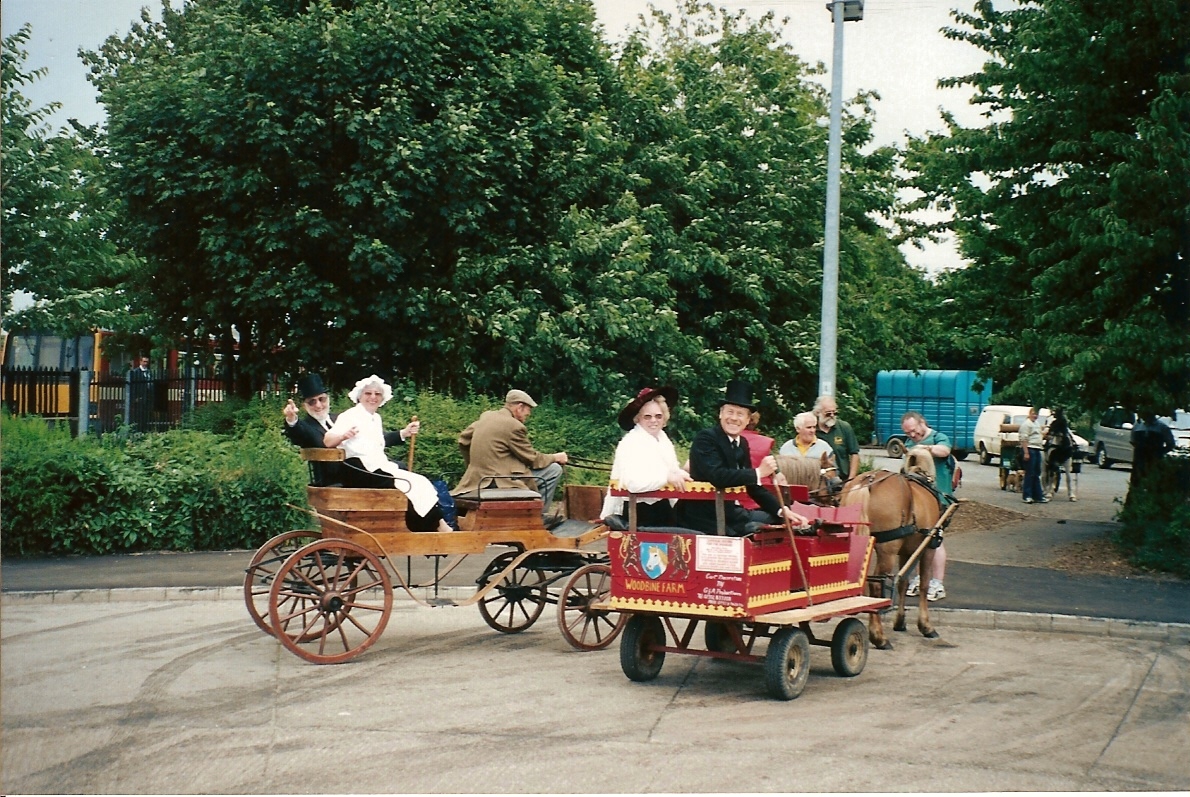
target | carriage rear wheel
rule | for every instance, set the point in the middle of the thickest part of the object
(849, 648)
(517, 600)
(330, 601)
(638, 659)
(787, 664)
(584, 627)
(262, 571)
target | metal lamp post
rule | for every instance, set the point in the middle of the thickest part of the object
(842, 11)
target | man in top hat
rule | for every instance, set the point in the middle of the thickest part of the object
(645, 461)
(720, 455)
(308, 431)
(498, 454)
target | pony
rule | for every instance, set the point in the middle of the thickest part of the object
(818, 476)
(899, 508)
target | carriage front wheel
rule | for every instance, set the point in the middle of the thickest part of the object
(787, 664)
(330, 601)
(516, 601)
(585, 627)
(639, 659)
(262, 571)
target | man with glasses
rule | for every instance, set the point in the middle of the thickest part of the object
(919, 433)
(839, 435)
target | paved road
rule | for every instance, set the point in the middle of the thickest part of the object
(160, 688)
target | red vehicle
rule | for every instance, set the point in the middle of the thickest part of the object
(773, 585)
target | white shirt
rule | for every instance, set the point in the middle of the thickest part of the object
(642, 464)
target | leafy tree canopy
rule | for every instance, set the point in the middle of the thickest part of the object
(1073, 202)
(56, 216)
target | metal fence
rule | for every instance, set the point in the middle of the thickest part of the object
(94, 403)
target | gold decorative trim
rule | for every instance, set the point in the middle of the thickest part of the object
(829, 559)
(643, 604)
(774, 597)
(770, 567)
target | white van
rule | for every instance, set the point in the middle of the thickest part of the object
(987, 428)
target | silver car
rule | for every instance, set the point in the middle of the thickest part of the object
(1113, 435)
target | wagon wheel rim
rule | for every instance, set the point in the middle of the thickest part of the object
(516, 601)
(262, 570)
(583, 627)
(324, 603)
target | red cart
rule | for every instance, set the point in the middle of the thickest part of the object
(773, 585)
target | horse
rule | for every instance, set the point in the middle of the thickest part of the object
(898, 508)
(818, 476)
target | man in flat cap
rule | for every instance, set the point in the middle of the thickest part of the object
(498, 454)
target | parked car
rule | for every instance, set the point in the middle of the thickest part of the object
(987, 429)
(1113, 435)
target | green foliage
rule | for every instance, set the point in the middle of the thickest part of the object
(56, 215)
(1072, 203)
(1156, 518)
(180, 491)
(471, 194)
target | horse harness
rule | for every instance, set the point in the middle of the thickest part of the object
(908, 519)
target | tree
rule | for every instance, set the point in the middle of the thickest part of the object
(55, 217)
(1073, 202)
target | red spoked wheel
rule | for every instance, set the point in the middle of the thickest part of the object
(584, 627)
(262, 571)
(330, 601)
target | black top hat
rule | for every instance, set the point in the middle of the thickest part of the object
(310, 385)
(642, 398)
(739, 393)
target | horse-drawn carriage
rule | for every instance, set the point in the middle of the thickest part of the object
(327, 595)
(778, 583)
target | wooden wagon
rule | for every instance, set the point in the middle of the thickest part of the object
(327, 595)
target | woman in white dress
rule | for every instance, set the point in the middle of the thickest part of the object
(359, 431)
(645, 460)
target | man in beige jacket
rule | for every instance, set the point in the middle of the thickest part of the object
(496, 451)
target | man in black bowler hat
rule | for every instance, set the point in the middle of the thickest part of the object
(720, 455)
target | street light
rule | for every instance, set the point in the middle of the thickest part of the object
(841, 11)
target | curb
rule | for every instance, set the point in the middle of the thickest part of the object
(992, 620)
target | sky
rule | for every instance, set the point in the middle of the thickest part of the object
(897, 50)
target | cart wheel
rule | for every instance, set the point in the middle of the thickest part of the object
(638, 660)
(787, 664)
(583, 627)
(330, 601)
(718, 637)
(517, 601)
(849, 648)
(258, 578)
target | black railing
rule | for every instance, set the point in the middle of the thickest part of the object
(150, 401)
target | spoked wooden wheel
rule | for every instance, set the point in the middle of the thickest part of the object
(583, 627)
(262, 571)
(517, 600)
(330, 601)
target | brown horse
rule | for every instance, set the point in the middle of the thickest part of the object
(900, 510)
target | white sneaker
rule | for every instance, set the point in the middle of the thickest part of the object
(914, 586)
(936, 592)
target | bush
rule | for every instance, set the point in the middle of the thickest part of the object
(1156, 518)
(180, 491)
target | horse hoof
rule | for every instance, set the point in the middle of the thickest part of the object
(930, 635)
(899, 627)
(886, 645)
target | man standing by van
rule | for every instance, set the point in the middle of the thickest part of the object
(1031, 448)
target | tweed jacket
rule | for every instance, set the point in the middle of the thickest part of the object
(497, 445)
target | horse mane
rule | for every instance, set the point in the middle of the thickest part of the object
(921, 462)
(798, 470)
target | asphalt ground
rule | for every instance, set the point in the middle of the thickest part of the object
(144, 675)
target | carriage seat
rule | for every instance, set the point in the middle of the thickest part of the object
(499, 494)
(314, 459)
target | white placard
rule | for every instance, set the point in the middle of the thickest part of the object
(719, 554)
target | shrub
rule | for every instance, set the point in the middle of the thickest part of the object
(1156, 518)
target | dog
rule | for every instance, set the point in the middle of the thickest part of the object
(1012, 482)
